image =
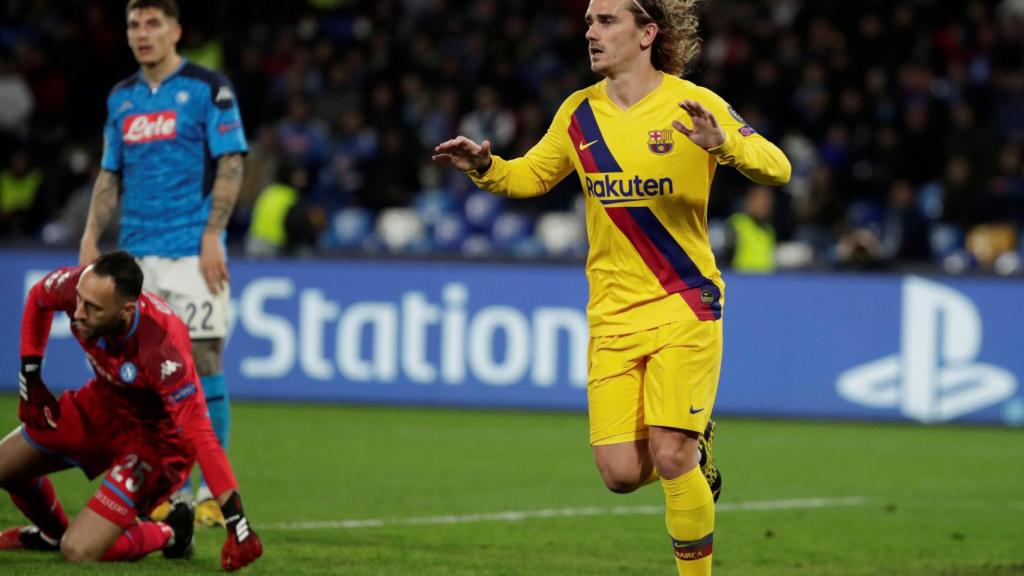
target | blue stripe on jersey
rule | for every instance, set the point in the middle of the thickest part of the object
(117, 492)
(592, 133)
(676, 256)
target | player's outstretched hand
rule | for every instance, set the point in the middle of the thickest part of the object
(706, 132)
(37, 407)
(243, 546)
(464, 154)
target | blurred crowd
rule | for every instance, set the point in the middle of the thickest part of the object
(904, 121)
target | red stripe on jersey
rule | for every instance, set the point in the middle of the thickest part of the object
(663, 270)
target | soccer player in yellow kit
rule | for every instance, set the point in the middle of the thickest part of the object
(656, 296)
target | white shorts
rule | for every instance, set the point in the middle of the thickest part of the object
(180, 282)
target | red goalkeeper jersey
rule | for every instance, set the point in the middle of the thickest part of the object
(147, 376)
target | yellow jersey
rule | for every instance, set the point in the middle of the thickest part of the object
(646, 186)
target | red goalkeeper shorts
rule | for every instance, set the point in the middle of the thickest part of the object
(141, 470)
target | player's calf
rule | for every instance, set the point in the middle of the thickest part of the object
(38, 501)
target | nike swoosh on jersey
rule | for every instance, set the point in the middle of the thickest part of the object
(586, 145)
(697, 411)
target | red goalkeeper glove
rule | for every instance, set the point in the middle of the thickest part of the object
(37, 408)
(243, 546)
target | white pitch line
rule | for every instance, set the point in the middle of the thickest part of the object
(520, 515)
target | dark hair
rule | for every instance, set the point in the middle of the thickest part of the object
(168, 7)
(125, 271)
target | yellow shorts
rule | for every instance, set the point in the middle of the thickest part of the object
(666, 376)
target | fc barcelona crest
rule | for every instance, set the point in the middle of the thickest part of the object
(660, 141)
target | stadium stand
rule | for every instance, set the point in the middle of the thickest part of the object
(902, 148)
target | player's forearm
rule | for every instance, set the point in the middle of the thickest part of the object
(226, 187)
(37, 316)
(756, 158)
(518, 178)
(212, 460)
(105, 194)
(35, 330)
(216, 468)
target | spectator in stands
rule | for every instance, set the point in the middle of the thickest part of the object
(904, 229)
(902, 94)
(301, 136)
(15, 102)
(750, 235)
(19, 189)
(268, 235)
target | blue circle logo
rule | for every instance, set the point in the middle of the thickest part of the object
(128, 372)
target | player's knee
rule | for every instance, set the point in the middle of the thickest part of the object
(207, 356)
(75, 549)
(672, 461)
(619, 481)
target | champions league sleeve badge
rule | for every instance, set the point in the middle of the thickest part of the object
(745, 129)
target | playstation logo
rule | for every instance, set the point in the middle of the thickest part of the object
(934, 377)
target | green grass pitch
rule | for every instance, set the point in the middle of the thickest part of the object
(946, 501)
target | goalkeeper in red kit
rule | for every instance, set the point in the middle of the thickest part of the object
(141, 422)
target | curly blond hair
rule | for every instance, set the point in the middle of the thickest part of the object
(677, 44)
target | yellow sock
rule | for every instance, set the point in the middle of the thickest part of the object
(690, 516)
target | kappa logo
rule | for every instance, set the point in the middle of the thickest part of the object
(224, 95)
(935, 376)
(168, 367)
